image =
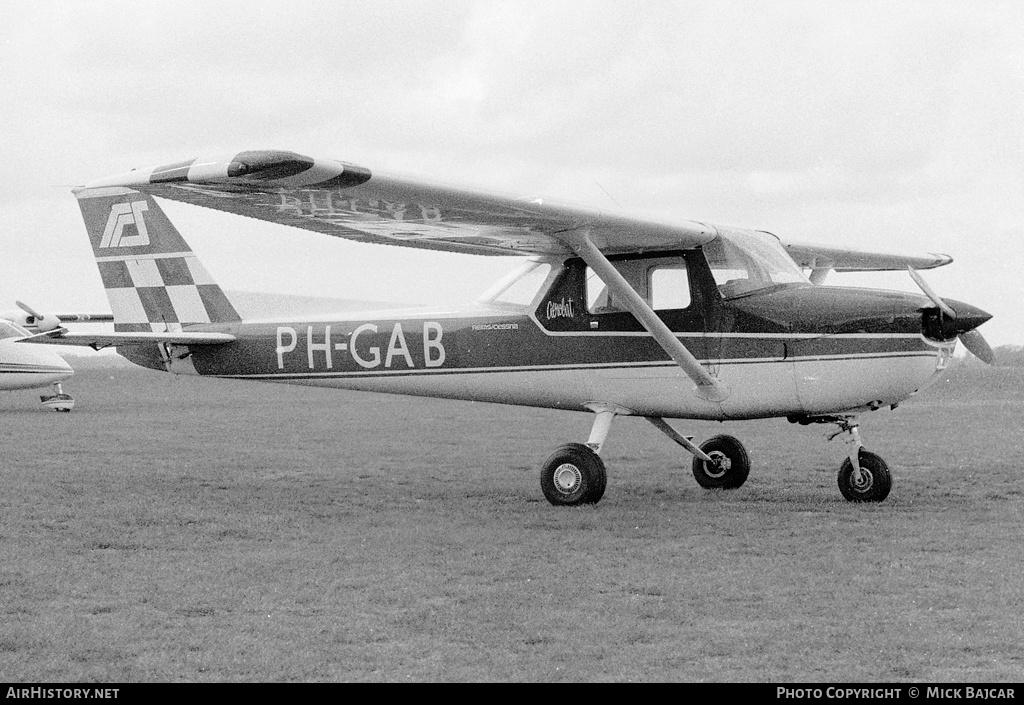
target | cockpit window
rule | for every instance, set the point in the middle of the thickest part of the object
(745, 262)
(669, 287)
(9, 330)
(663, 282)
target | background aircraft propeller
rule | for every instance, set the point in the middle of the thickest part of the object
(973, 340)
(41, 321)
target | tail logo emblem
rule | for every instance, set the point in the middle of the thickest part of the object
(122, 214)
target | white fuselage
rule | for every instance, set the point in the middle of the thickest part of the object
(26, 366)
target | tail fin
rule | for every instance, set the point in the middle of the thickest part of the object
(153, 280)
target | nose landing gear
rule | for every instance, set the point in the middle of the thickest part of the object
(863, 477)
(58, 401)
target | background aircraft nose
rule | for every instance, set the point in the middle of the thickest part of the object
(59, 368)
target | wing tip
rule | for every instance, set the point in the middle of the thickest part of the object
(255, 169)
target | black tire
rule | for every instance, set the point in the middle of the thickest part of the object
(573, 475)
(711, 477)
(876, 480)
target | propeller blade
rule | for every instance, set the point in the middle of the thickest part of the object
(28, 310)
(930, 293)
(979, 347)
(42, 322)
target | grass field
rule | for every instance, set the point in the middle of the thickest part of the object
(174, 529)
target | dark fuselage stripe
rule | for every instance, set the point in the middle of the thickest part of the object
(34, 371)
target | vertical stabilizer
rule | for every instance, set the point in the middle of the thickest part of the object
(153, 279)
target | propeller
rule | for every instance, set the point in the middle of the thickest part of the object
(979, 347)
(42, 322)
(973, 340)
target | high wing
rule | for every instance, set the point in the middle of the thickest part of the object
(344, 200)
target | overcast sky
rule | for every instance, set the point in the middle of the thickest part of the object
(896, 126)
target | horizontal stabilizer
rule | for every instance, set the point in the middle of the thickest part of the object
(85, 317)
(98, 341)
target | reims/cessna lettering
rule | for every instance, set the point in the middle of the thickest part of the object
(611, 314)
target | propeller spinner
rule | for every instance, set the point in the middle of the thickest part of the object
(39, 321)
(963, 327)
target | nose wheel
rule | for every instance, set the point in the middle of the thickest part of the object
(872, 481)
(58, 401)
(863, 476)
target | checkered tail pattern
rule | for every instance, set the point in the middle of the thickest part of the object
(153, 279)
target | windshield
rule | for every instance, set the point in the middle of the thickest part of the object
(10, 330)
(744, 262)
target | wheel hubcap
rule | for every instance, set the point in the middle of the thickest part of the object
(719, 467)
(567, 478)
(862, 483)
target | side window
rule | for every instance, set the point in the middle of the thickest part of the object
(660, 281)
(669, 286)
(601, 300)
(598, 298)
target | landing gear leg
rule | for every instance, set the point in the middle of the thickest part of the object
(575, 474)
(58, 401)
(863, 477)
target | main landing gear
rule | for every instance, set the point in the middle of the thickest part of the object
(575, 474)
(58, 401)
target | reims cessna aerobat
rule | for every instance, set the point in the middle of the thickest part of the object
(611, 314)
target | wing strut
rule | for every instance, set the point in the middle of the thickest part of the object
(708, 387)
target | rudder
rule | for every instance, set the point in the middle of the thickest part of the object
(154, 281)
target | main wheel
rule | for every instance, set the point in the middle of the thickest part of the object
(730, 469)
(875, 479)
(574, 474)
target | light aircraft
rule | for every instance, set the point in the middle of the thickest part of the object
(611, 314)
(31, 367)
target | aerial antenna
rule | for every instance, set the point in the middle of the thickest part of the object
(617, 204)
